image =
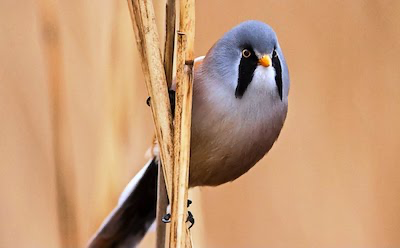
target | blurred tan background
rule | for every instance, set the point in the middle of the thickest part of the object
(74, 125)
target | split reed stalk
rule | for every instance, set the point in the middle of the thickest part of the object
(179, 237)
(169, 46)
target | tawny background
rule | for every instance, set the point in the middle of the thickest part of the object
(331, 180)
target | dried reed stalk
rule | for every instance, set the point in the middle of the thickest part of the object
(179, 237)
(170, 21)
(162, 198)
(143, 18)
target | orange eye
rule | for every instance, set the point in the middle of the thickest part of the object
(246, 53)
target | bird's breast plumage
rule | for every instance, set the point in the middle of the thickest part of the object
(229, 135)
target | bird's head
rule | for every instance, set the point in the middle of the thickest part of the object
(247, 56)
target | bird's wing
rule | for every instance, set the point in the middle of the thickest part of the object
(198, 61)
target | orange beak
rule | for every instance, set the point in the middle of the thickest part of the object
(265, 61)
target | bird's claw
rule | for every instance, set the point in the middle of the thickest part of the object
(190, 218)
(166, 218)
(171, 95)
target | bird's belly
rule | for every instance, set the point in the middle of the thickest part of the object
(219, 167)
(221, 152)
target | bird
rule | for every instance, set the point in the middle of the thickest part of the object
(240, 103)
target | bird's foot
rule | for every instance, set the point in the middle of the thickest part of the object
(190, 218)
(171, 95)
(166, 218)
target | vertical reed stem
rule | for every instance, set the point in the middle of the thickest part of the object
(162, 198)
(179, 236)
(175, 153)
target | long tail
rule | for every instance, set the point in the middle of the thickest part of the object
(136, 210)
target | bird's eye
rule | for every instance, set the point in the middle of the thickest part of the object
(246, 53)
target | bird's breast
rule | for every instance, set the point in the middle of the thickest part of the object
(230, 135)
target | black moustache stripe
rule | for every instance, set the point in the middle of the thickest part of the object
(247, 67)
(276, 63)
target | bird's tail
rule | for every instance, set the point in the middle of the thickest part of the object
(136, 210)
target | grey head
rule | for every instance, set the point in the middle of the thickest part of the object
(234, 59)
